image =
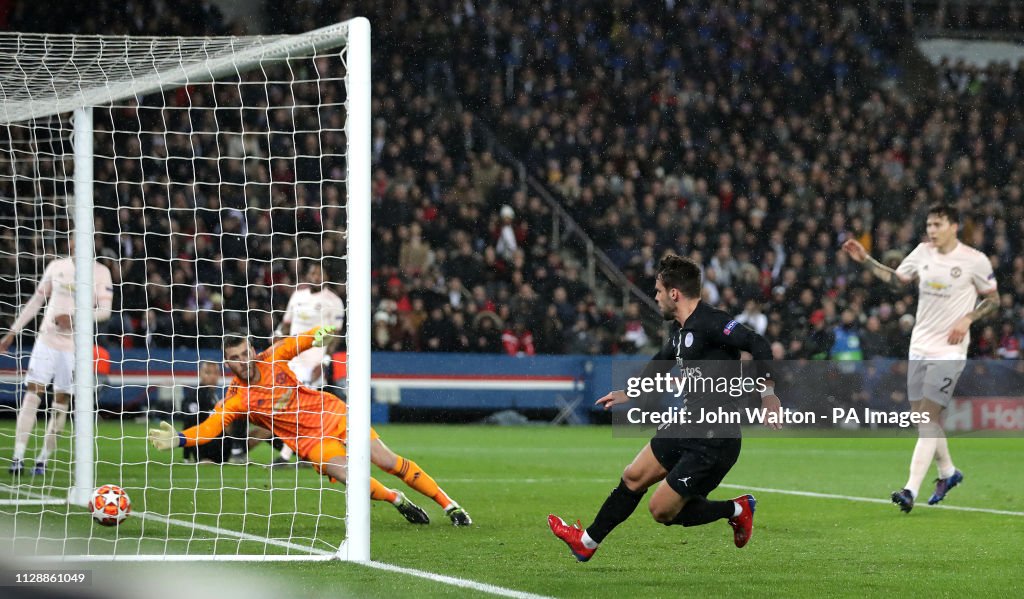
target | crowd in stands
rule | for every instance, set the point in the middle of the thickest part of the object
(754, 137)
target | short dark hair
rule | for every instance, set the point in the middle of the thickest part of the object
(947, 210)
(680, 273)
(234, 340)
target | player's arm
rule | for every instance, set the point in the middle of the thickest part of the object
(984, 281)
(336, 317)
(225, 412)
(899, 279)
(103, 296)
(286, 321)
(661, 363)
(742, 337)
(292, 346)
(31, 308)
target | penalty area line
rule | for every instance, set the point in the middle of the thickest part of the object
(957, 508)
(812, 494)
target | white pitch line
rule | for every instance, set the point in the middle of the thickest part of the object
(458, 582)
(941, 506)
(432, 576)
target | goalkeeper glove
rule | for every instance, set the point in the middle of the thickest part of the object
(165, 437)
(323, 335)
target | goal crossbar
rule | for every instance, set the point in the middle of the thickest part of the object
(51, 81)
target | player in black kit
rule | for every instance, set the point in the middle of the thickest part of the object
(688, 462)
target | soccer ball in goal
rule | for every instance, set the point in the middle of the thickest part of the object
(208, 175)
(110, 505)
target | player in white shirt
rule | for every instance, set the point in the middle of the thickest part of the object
(53, 355)
(950, 277)
(312, 305)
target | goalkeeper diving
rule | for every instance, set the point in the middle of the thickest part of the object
(312, 422)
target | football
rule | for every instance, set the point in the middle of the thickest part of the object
(110, 505)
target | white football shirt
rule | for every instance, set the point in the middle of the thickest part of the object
(57, 290)
(308, 308)
(949, 286)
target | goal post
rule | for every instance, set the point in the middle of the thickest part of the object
(267, 134)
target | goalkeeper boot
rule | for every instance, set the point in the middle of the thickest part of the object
(943, 485)
(572, 536)
(743, 525)
(40, 469)
(905, 499)
(16, 467)
(412, 512)
(459, 516)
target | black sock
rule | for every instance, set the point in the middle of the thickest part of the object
(699, 511)
(619, 505)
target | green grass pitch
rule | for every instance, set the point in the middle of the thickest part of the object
(511, 478)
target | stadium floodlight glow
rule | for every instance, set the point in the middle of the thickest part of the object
(170, 138)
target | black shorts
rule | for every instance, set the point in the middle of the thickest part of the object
(695, 466)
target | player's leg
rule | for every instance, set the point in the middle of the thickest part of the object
(924, 450)
(941, 386)
(645, 470)
(413, 475)
(682, 497)
(54, 427)
(30, 401)
(930, 392)
(329, 459)
(63, 387)
(42, 366)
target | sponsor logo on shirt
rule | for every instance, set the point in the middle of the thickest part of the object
(956, 272)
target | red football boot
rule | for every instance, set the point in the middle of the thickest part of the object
(743, 525)
(573, 537)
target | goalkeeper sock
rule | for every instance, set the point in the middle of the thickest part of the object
(698, 510)
(287, 453)
(26, 422)
(379, 492)
(619, 506)
(414, 476)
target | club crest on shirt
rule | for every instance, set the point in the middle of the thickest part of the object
(688, 341)
(956, 272)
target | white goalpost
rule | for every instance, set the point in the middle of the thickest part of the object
(208, 175)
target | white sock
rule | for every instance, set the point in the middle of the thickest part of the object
(737, 509)
(588, 542)
(451, 506)
(53, 428)
(26, 422)
(924, 453)
(44, 454)
(399, 498)
(286, 453)
(943, 459)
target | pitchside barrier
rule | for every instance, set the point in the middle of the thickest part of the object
(568, 385)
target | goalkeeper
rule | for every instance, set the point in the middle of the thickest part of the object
(311, 422)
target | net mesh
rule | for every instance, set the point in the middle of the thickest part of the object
(219, 182)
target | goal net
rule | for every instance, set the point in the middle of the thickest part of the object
(210, 177)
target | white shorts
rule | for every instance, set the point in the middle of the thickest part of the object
(934, 379)
(50, 365)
